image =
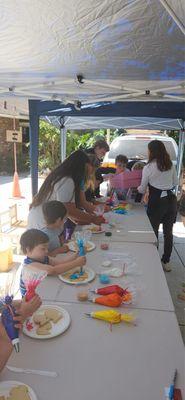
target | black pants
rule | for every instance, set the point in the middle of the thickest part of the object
(164, 213)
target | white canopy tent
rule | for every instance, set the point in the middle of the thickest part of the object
(124, 50)
(85, 52)
(117, 123)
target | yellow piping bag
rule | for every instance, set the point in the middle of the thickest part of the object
(112, 316)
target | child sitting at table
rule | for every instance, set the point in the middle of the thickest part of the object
(133, 193)
(24, 310)
(55, 215)
(121, 168)
(34, 244)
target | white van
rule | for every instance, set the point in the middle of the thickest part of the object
(135, 147)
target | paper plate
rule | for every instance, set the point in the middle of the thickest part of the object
(93, 228)
(73, 246)
(57, 329)
(6, 386)
(91, 276)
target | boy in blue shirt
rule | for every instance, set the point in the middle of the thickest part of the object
(34, 244)
(55, 215)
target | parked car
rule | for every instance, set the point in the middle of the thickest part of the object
(135, 147)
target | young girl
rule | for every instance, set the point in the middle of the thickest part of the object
(34, 244)
(121, 168)
(64, 184)
(160, 176)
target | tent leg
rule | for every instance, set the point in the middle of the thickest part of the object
(63, 132)
(34, 145)
(180, 154)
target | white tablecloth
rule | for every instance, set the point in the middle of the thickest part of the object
(132, 227)
(94, 363)
(148, 276)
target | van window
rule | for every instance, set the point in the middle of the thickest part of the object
(137, 148)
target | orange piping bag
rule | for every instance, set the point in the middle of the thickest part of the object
(110, 300)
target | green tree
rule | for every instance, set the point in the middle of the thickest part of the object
(49, 146)
(49, 142)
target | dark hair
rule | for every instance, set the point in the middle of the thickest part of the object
(94, 161)
(102, 144)
(32, 238)
(72, 167)
(53, 210)
(160, 155)
(122, 159)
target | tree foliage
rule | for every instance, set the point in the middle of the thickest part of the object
(49, 146)
(49, 143)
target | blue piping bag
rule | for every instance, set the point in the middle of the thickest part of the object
(8, 322)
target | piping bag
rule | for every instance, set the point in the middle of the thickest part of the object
(111, 316)
(110, 300)
(32, 277)
(110, 289)
(8, 322)
(7, 289)
(81, 252)
(113, 299)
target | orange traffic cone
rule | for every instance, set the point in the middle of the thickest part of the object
(16, 192)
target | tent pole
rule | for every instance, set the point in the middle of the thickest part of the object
(63, 132)
(180, 153)
(108, 136)
(34, 144)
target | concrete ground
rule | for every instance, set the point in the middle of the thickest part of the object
(175, 278)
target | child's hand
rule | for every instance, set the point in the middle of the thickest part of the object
(81, 261)
(26, 309)
(64, 249)
(98, 220)
(18, 322)
(71, 257)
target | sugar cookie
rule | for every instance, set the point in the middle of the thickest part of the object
(82, 296)
(44, 330)
(53, 315)
(19, 393)
(40, 319)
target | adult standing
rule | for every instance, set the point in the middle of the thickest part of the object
(160, 176)
(64, 184)
(99, 149)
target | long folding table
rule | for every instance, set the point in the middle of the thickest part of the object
(93, 362)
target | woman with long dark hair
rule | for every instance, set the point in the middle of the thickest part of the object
(160, 176)
(64, 184)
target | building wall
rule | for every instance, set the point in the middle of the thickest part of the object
(5, 148)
